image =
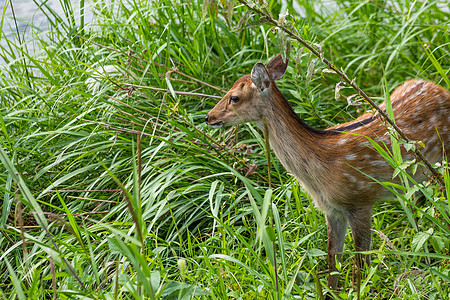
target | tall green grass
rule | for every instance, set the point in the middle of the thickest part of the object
(114, 188)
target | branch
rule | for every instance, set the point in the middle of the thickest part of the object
(382, 113)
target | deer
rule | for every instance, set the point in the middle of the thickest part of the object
(337, 166)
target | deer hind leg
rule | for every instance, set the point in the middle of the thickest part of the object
(361, 230)
(362, 235)
(337, 228)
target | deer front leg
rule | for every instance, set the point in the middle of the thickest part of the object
(337, 228)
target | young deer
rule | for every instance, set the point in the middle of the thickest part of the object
(333, 164)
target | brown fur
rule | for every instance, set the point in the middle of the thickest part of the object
(332, 165)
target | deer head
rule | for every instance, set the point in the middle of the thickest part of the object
(250, 95)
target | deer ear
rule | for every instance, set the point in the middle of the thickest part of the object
(260, 77)
(277, 67)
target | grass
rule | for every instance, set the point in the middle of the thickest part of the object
(114, 188)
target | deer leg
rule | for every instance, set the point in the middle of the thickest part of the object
(337, 228)
(361, 230)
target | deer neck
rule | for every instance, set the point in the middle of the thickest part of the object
(290, 137)
(301, 149)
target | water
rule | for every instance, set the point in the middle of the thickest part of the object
(30, 17)
(27, 13)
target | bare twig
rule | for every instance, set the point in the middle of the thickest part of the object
(198, 81)
(20, 223)
(91, 199)
(168, 91)
(83, 191)
(341, 73)
(123, 130)
(24, 227)
(6, 236)
(140, 125)
(139, 165)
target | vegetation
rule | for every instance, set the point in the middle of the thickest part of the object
(114, 188)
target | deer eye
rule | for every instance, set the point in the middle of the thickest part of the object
(234, 99)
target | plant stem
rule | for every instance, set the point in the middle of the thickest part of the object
(275, 270)
(266, 138)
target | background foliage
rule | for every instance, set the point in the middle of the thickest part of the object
(114, 188)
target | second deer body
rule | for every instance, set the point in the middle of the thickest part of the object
(337, 166)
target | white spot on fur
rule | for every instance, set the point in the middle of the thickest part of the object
(403, 94)
(424, 88)
(362, 185)
(412, 86)
(386, 139)
(342, 141)
(432, 141)
(364, 144)
(436, 154)
(352, 179)
(351, 156)
(378, 163)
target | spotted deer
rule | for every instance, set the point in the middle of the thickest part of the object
(337, 166)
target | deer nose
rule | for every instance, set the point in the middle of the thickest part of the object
(206, 119)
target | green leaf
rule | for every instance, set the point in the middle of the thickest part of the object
(241, 264)
(271, 233)
(419, 240)
(155, 279)
(281, 249)
(114, 246)
(438, 243)
(15, 280)
(316, 253)
(73, 224)
(414, 167)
